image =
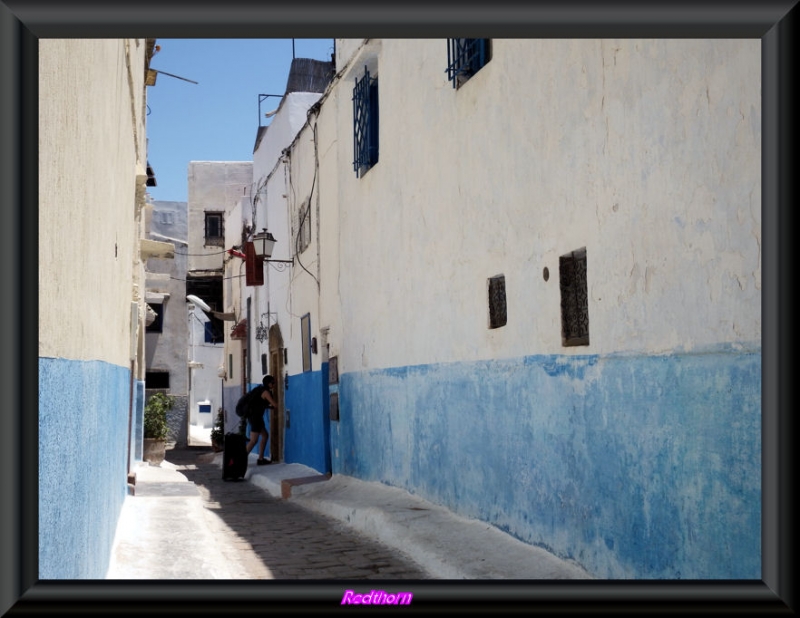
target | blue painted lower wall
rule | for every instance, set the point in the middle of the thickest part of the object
(643, 467)
(83, 438)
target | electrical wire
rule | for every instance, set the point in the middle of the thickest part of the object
(207, 278)
(201, 254)
(307, 211)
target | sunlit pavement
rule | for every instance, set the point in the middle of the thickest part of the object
(289, 521)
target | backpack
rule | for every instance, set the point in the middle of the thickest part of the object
(245, 404)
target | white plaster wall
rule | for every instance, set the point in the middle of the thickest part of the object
(166, 351)
(274, 298)
(346, 49)
(91, 147)
(305, 274)
(233, 282)
(646, 152)
(233, 288)
(286, 123)
(205, 381)
(333, 164)
(276, 197)
(213, 186)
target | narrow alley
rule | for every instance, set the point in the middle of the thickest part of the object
(236, 530)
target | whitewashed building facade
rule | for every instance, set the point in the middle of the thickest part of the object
(167, 329)
(533, 278)
(280, 296)
(215, 189)
(92, 252)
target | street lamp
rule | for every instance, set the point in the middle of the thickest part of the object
(264, 242)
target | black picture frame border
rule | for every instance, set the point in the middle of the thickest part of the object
(23, 23)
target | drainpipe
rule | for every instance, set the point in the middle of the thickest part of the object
(134, 328)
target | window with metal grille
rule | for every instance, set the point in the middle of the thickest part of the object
(574, 298)
(497, 301)
(465, 57)
(365, 123)
(215, 232)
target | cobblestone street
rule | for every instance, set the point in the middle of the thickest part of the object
(269, 538)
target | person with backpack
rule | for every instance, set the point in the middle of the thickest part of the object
(252, 407)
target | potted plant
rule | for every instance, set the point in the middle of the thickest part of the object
(156, 429)
(218, 433)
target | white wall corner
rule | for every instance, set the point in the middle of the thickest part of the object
(141, 187)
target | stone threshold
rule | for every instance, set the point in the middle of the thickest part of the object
(288, 484)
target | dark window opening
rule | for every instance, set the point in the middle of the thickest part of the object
(497, 302)
(209, 289)
(157, 325)
(215, 229)
(465, 57)
(305, 331)
(156, 379)
(365, 123)
(574, 298)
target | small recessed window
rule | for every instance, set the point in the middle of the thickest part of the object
(157, 325)
(305, 334)
(215, 232)
(214, 330)
(333, 370)
(156, 379)
(497, 301)
(574, 298)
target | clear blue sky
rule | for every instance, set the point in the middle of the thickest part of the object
(217, 118)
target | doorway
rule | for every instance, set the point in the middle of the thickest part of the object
(276, 370)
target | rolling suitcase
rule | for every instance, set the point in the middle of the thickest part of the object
(234, 457)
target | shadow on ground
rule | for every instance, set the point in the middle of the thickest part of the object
(282, 540)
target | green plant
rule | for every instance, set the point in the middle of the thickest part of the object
(155, 416)
(218, 433)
